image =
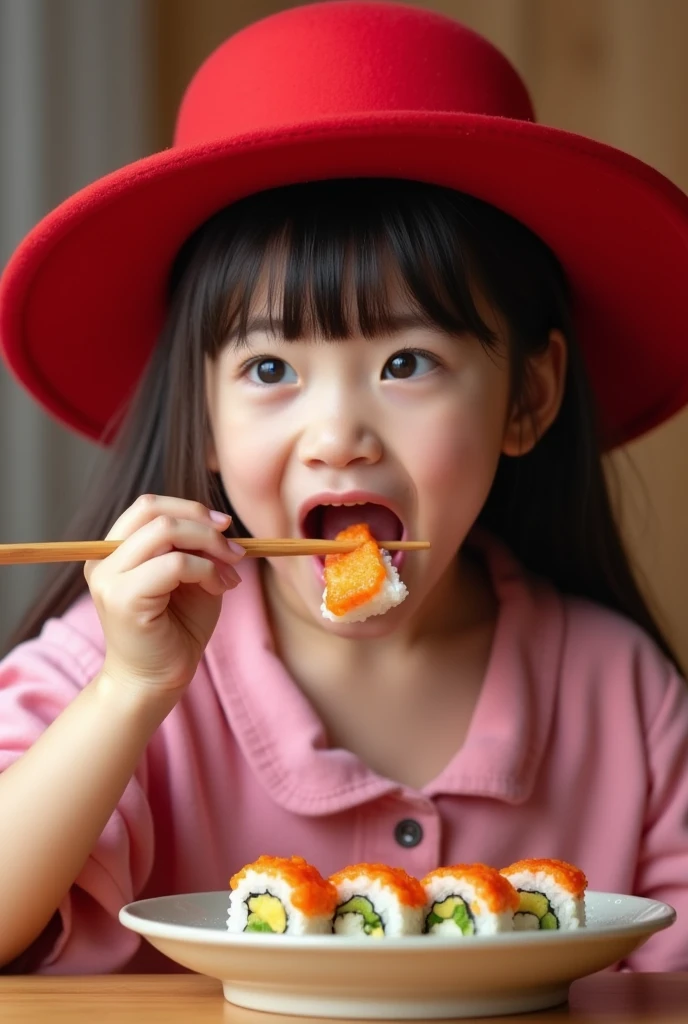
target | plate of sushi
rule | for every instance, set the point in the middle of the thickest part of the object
(373, 942)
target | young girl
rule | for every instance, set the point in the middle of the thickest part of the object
(363, 286)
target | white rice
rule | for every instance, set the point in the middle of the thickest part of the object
(568, 909)
(392, 593)
(486, 922)
(397, 918)
(256, 883)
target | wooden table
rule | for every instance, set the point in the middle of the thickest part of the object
(170, 999)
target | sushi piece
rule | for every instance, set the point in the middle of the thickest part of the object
(551, 894)
(281, 895)
(360, 583)
(375, 901)
(468, 899)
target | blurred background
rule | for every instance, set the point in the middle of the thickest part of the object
(89, 85)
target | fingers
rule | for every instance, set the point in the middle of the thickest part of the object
(159, 576)
(149, 506)
(167, 533)
(159, 594)
(150, 528)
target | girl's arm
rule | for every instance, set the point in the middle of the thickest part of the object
(158, 597)
(56, 799)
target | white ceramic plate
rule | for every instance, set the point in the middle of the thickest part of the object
(419, 977)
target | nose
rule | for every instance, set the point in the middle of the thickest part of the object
(339, 441)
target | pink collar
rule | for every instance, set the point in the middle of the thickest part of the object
(284, 741)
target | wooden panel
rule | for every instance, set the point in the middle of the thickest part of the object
(185, 34)
(611, 69)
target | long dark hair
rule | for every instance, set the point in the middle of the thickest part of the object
(324, 244)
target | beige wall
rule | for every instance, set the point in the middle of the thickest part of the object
(611, 69)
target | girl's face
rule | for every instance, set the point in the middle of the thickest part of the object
(415, 421)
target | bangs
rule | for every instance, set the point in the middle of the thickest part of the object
(330, 260)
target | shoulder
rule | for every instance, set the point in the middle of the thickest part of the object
(604, 635)
(71, 644)
(597, 655)
(615, 660)
(586, 633)
(41, 676)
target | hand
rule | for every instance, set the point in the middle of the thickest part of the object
(158, 596)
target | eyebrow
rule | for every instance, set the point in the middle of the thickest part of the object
(393, 325)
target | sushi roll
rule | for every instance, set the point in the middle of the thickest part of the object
(375, 901)
(281, 895)
(551, 894)
(468, 899)
(362, 582)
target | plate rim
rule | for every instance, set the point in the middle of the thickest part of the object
(665, 917)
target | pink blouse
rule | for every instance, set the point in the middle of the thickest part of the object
(577, 749)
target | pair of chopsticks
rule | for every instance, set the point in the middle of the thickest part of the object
(81, 551)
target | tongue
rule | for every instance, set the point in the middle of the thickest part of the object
(382, 522)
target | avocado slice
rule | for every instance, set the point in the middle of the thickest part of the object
(537, 904)
(372, 922)
(254, 924)
(453, 908)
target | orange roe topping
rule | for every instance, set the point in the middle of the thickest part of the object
(312, 895)
(498, 893)
(407, 888)
(568, 876)
(358, 532)
(354, 578)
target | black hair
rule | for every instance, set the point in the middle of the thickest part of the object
(332, 249)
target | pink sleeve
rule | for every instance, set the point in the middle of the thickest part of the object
(662, 871)
(38, 680)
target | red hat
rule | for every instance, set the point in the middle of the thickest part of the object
(349, 89)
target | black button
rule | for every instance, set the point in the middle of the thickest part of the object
(408, 833)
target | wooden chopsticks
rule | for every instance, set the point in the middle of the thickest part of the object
(81, 551)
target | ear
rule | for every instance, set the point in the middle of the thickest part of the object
(544, 390)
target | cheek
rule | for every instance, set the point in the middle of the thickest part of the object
(453, 478)
(458, 443)
(250, 462)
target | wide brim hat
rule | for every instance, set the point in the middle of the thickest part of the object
(348, 89)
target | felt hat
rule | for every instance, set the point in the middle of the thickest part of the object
(350, 89)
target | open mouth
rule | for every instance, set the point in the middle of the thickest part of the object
(326, 521)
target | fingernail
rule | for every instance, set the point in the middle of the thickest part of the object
(236, 549)
(219, 517)
(229, 576)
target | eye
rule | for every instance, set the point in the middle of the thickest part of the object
(270, 371)
(409, 363)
